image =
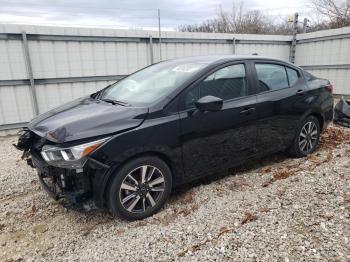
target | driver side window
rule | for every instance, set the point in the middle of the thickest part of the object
(227, 83)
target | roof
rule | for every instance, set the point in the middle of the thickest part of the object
(212, 59)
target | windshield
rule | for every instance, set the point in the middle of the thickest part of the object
(152, 83)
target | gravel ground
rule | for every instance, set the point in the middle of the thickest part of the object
(276, 208)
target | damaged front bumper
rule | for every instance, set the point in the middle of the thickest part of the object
(71, 184)
(63, 183)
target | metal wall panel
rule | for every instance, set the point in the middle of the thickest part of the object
(329, 50)
(15, 104)
(340, 79)
(53, 59)
(53, 95)
(271, 50)
(176, 50)
(12, 63)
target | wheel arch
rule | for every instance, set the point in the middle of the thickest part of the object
(292, 150)
(114, 169)
(316, 112)
(319, 117)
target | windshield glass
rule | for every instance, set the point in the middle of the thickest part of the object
(152, 83)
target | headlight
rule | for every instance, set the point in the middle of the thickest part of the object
(69, 157)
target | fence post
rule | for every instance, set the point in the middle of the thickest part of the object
(160, 37)
(151, 49)
(294, 40)
(30, 72)
(234, 45)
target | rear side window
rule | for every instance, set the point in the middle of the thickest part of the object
(271, 77)
(308, 76)
(226, 83)
(293, 76)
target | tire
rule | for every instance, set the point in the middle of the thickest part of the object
(131, 199)
(305, 141)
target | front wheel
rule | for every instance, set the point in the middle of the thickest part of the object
(306, 138)
(140, 188)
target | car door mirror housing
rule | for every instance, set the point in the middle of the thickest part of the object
(209, 103)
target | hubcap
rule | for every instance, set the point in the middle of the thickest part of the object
(141, 189)
(308, 137)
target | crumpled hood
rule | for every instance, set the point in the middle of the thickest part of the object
(86, 117)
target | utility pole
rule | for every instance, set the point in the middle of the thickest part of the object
(305, 24)
(160, 37)
(294, 40)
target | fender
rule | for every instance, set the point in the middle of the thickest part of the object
(159, 138)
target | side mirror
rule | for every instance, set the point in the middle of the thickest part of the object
(209, 103)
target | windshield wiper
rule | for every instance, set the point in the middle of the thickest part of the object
(99, 93)
(115, 102)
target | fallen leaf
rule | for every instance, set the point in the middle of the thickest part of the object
(264, 209)
(249, 217)
(120, 231)
(347, 198)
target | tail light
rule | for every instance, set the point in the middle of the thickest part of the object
(329, 88)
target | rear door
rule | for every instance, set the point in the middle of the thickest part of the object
(280, 104)
(213, 141)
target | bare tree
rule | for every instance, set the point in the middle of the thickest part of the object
(332, 14)
(239, 21)
(336, 13)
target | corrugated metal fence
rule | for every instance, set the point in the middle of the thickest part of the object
(327, 54)
(42, 67)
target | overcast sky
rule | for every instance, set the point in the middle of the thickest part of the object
(134, 13)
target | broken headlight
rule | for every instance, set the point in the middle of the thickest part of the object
(73, 157)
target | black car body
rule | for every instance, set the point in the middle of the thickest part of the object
(208, 123)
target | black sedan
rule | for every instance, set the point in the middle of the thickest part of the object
(128, 145)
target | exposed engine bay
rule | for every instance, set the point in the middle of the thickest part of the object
(57, 182)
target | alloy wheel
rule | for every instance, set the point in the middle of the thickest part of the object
(308, 137)
(141, 189)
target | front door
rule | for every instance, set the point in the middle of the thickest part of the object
(213, 141)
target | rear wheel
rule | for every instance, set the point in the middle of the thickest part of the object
(306, 138)
(140, 188)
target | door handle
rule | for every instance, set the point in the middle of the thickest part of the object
(300, 92)
(247, 111)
